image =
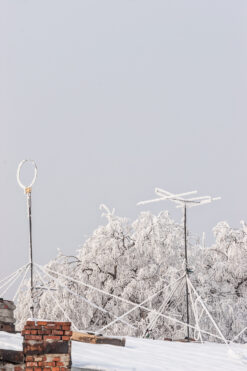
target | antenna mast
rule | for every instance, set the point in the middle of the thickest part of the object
(184, 203)
(28, 191)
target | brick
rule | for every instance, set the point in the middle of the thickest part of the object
(25, 332)
(56, 359)
(66, 338)
(57, 332)
(68, 333)
(31, 364)
(41, 323)
(36, 359)
(60, 363)
(50, 324)
(38, 369)
(37, 327)
(33, 337)
(65, 357)
(27, 327)
(30, 323)
(64, 323)
(55, 368)
(51, 364)
(44, 332)
(59, 327)
(66, 328)
(52, 337)
(29, 358)
(34, 332)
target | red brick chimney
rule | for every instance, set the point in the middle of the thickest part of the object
(47, 345)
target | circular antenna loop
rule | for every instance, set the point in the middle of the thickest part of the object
(28, 186)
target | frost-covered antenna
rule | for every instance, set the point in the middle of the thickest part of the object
(182, 202)
(28, 191)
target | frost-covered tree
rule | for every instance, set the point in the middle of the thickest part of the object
(221, 278)
(135, 261)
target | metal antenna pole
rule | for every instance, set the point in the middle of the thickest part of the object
(28, 192)
(182, 202)
(186, 271)
(29, 211)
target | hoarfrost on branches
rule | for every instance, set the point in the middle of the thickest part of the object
(136, 260)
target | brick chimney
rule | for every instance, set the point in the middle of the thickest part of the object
(47, 345)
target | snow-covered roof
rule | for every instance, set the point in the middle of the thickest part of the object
(149, 355)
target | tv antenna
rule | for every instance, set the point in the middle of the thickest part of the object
(28, 192)
(183, 203)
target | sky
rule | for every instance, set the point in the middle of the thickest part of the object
(112, 99)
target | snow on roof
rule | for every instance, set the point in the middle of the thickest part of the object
(10, 341)
(149, 355)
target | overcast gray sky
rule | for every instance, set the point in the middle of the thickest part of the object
(112, 98)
